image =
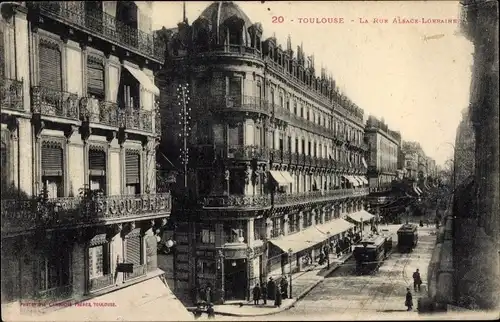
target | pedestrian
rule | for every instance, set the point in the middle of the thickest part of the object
(277, 299)
(342, 247)
(208, 294)
(256, 294)
(271, 288)
(284, 287)
(263, 291)
(338, 250)
(409, 300)
(210, 311)
(417, 280)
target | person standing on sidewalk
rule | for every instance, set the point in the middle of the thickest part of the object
(271, 288)
(210, 311)
(417, 280)
(284, 287)
(277, 298)
(263, 291)
(409, 300)
(256, 294)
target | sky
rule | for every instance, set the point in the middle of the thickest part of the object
(419, 86)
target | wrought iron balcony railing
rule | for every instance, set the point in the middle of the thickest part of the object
(100, 112)
(51, 102)
(21, 215)
(235, 49)
(244, 103)
(237, 201)
(136, 119)
(247, 152)
(103, 25)
(11, 94)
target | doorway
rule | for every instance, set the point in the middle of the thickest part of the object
(235, 279)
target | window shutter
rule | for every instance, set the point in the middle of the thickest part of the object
(95, 77)
(132, 170)
(97, 160)
(134, 249)
(50, 67)
(52, 159)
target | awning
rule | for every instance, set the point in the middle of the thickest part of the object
(148, 299)
(143, 79)
(311, 236)
(353, 181)
(361, 215)
(287, 176)
(418, 190)
(278, 177)
(358, 179)
(365, 181)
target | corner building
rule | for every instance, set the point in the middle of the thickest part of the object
(79, 132)
(275, 154)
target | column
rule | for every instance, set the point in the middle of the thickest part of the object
(313, 217)
(250, 235)
(301, 221)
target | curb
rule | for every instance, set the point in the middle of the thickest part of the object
(295, 300)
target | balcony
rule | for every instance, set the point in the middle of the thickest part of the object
(237, 201)
(24, 215)
(247, 152)
(11, 94)
(243, 103)
(239, 50)
(103, 25)
(135, 119)
(54, 103)
(318, 196)
(99, 112)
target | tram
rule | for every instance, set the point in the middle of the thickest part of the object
(407, 237)
(371, 253)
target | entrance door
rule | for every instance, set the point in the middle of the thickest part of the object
(235, 279)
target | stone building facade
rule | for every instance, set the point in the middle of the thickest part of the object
(275, 154)
(79, 133)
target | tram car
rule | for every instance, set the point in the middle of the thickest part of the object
(371, 253)
(407, 238)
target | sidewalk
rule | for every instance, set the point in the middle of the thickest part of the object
(302, 284)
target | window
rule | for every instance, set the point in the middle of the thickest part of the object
(129, 96)
(97, 170)
(93, 15)
(234, 90)
(50, 66)
(237, 182)
(301, 111)
(133, 248)
(259, 93)
(4, 159)
(54, 270)
(207, 236)
(289, 141)
(95, 78)
(297, 146)
(295, 107)
(132, 172)
(98, 261)
(282, 101)
(2, 55)
(52, 169)
(235, 134)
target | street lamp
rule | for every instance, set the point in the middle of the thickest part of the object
(290, 254)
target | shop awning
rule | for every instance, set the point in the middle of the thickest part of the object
(365, 181)
(361, 215)
(358, 179)
(287, 176)
(311, 236)
(353, 181)
(279, 178)
(143, 79)
(152, 300)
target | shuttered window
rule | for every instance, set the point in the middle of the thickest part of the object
(50, 67)
(97, 170)
(95, 78)
(52, 159)
(97, 160)
(133, 249)
(132, 167)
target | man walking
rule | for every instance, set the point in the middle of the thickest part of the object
(409, 300)
(417, 281)
(263, 291)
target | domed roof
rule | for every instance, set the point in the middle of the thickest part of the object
(228, 9)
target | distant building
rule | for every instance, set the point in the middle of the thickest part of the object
(464, 149)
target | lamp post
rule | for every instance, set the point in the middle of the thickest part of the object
(290, 254)
(220, 269)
